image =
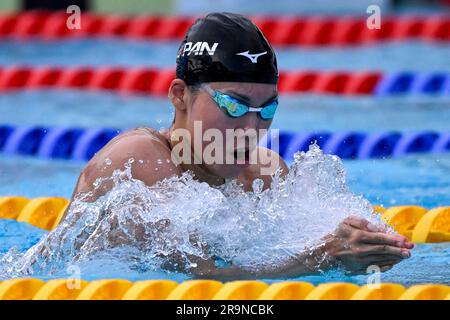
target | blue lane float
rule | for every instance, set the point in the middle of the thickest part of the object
(344, 144)
(91, 141)
(81, 144)
(434, 83)
(5, 132)
(415, 141)
(59, 143)
(378, 145)
(54, 143)
(442, 144)
(410, 83)
(25, 140)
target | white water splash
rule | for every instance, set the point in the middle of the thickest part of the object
(163, 226)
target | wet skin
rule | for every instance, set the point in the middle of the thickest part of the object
(355, 245)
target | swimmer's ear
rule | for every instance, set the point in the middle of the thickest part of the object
(177, 94)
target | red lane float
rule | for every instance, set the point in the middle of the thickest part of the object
(286, 30)
(157, 81)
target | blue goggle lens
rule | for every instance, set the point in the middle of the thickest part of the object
(234, 108)
(268, 112)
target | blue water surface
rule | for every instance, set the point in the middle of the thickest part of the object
(295, 112)
(390, 56)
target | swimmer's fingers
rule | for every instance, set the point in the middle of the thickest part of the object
(383, 250)
(362, 224)
(386, 239)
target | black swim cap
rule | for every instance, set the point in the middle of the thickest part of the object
(226, 47)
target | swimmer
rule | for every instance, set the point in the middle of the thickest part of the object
(226, 78)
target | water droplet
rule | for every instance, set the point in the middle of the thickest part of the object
(257, 185)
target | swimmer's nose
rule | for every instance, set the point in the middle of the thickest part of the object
(247, 137)
(251, 121)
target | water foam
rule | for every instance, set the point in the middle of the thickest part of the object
(143, 228)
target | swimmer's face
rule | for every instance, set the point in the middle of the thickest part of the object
(204, 109)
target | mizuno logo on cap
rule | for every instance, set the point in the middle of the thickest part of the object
(198, 48)
(253, 57)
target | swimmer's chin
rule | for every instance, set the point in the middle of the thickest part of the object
(243, 164)
(228, 171)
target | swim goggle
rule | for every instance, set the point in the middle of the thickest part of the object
(235, 108)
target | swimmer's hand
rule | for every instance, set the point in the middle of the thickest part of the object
(357, 244)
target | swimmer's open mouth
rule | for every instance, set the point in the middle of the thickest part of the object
(242, 155)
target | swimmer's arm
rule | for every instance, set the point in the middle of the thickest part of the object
(355, 245)
(310, 262)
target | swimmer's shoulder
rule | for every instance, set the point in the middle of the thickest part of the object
(268, 162)
(150, 153)
(141, 143)
(141, 135)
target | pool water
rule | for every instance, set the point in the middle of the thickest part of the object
(388, 57)
(413, 180)
(296, 112)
